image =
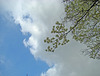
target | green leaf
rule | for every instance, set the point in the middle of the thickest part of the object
(57, 35)
(52, 38)
(71, 28)
(44, 40)
(67, 41)
(57, 23)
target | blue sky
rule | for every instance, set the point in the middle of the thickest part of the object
(24, 24)
(18, 61)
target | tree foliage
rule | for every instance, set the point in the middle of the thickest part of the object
(85, 15)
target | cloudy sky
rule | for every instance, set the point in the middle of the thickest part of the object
(24, 24)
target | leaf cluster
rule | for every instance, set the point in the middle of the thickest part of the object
(85, 14)
(60, 38)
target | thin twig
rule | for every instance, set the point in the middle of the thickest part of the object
(82, 17)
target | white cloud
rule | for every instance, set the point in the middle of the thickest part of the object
(42, 14)
(52, 71)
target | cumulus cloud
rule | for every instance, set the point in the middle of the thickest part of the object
(37, 17)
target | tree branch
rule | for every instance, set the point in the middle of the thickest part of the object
(82, 17)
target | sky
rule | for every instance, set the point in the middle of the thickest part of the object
(24, 24)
